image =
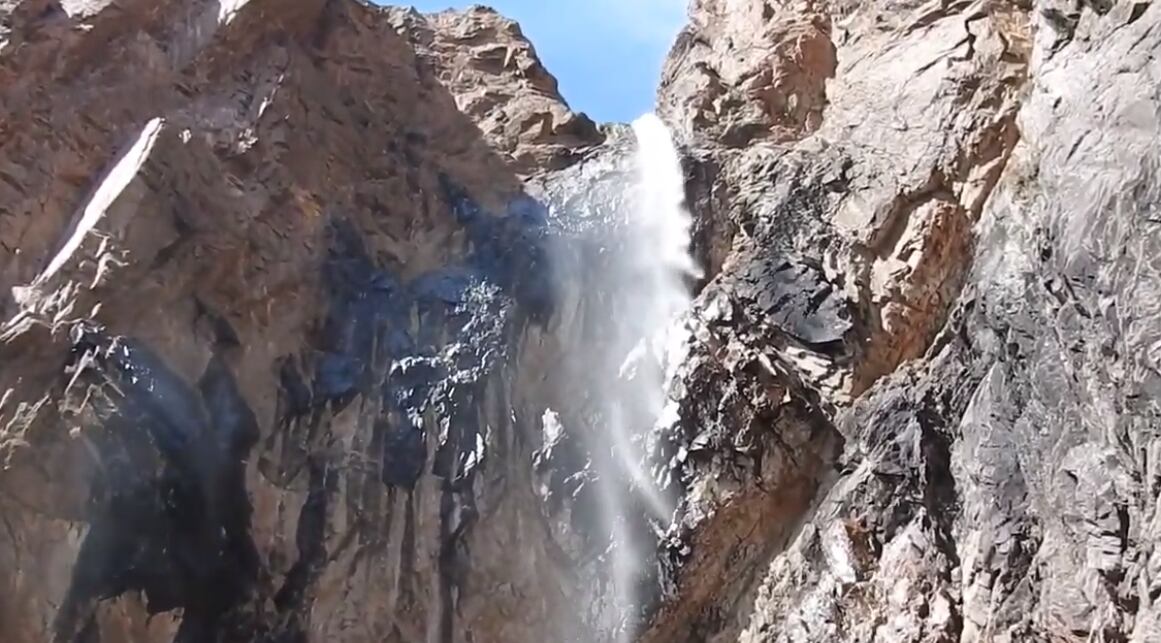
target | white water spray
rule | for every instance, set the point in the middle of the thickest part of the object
(650, 277)
(664, 223)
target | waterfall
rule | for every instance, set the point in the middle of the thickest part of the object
(649, 277)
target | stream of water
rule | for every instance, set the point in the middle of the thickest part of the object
(651, 275)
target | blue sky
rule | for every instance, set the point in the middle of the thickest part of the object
(606, 54)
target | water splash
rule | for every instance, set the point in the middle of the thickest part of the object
(664, 222)
(651, 276)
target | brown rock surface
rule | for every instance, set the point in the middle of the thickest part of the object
(288, 292)
(973, 195)
(180, 175)
(492, 70)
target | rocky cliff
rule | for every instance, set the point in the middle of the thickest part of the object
(287, 290)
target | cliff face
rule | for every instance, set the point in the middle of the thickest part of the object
(973, 183)
(268, 286)
(288, 299)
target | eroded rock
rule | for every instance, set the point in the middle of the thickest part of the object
(293, 288)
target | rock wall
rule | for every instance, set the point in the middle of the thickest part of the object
(288, 291)
(268, 287)
(939, 221)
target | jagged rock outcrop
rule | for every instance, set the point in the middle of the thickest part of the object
(287, 291)
(485, 62)
(977, 194)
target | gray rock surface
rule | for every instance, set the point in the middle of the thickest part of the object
(981, 185)
(290, 290)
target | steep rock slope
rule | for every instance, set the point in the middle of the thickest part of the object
(268, 285)
(293, 285)
(953, 200)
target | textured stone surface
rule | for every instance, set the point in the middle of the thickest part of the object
(979, 187)
(264, 276)
(493, 72)
(289, 291)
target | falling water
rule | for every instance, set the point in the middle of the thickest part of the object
(650, 277)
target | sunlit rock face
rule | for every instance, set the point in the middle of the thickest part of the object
(327, 322)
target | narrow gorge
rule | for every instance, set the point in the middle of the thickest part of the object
(329, 321)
